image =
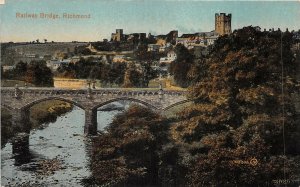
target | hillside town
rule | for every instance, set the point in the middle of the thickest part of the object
(157, 50)
(134, 49)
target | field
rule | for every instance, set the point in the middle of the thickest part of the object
(12, 83)
(14, 53)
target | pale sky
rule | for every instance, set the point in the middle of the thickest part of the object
(157, 17)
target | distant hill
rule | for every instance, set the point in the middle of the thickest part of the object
(12, 53)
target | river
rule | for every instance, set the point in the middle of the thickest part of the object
(62, 140)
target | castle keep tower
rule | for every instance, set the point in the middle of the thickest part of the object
(118, 36)
(222, 24)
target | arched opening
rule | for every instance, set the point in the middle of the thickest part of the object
(129, 100)
(60, 143)
(172, 110)
(47, 110)
(108, 110)
(52, 98)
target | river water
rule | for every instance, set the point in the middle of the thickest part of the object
(62, 140)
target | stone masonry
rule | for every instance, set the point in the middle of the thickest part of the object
(19, 101)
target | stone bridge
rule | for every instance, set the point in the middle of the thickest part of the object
(19, 101)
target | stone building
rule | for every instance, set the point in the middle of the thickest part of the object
(118, 36)
(135, 37)
(222, 24)
(153, 47)
(171, 56)
(202, 39)
(55, 64)
(170, 37)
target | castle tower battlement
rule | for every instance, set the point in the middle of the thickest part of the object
(222, 23)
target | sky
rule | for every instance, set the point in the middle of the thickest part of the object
(156, 17)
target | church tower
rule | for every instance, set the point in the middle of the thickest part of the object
(222, 24)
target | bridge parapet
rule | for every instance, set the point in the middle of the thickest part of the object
(55, 91)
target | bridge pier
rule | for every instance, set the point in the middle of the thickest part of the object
(20, 120)
(90, 127)
(20, 148)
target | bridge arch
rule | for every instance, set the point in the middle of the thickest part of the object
(28, 105)
(25, 110)
(126, 99)
(176, 104)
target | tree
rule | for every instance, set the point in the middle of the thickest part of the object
(141, 53)
(127, 154)
(66, 71)
(103, 46)
(234, 132)
(82, 50)
(94, 68)
(116, 73)
(39, 74)
(20, 69)
(84, 67)
(181, 66)
(132, 77)
(95, 72)
(148, 73)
